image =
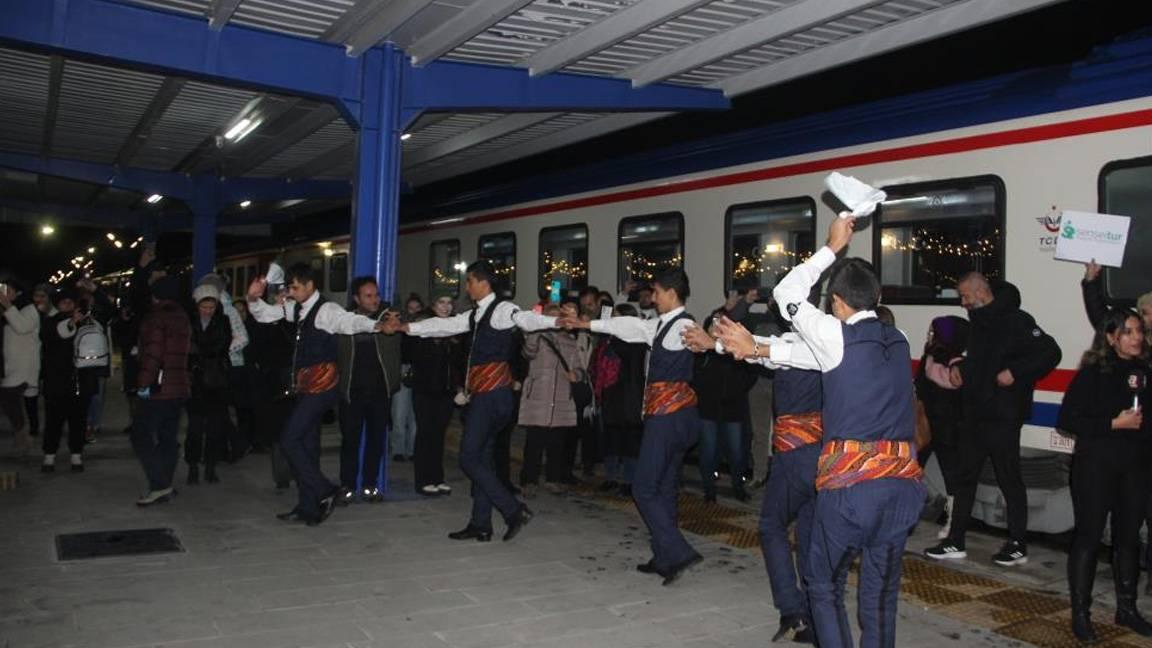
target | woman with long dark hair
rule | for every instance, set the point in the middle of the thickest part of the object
(1103, 409)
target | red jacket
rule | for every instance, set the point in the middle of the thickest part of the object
(165, 339)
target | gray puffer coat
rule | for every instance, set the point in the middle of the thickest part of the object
(546, 398)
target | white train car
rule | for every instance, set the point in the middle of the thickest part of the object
(977, 177)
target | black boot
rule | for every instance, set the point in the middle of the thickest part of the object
(1126, 572)
(1081, 574)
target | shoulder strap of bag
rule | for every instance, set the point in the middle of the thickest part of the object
(552, 345)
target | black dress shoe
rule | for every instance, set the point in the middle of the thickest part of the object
(327, 505)
(673, 573)
(648, 568)
(517, 523)
(290, 516)
(345, 496)
(471, 533)
(794, 628)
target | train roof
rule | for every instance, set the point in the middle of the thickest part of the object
(1115, 72)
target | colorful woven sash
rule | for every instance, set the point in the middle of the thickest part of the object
(792, 431)
(844, 462)
(489, 376)
(667, 397)
(316, 379)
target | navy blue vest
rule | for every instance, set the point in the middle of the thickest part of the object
(797, 391)
(669, 366)
(489, 344)
(868, 397)
(313, 346)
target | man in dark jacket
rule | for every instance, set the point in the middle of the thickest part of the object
(1007, 353)
(369, 375)
(163, 385)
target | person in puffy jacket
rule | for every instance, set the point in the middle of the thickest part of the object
(208, 409)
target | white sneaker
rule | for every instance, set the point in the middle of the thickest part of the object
(429, 489)
(444, 489)
(946, 551)
(153, 497)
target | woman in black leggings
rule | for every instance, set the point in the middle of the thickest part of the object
(1103, 409)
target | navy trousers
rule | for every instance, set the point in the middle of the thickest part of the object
(300, 442)
(871, 520)
(666, 439)
(155, 436)
(363, 418)
(789, 496)
(487, 414)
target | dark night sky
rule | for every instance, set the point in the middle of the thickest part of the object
(1059, 34)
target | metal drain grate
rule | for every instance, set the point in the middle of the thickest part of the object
(105, 544)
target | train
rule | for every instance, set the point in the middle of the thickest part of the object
(978, 176)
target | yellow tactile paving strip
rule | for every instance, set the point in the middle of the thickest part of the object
(1036, 618)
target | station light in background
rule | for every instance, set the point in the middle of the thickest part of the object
(110, 236)
(118, 244)
(91, 250)
(328, 252)
(405, 136)
(462, 266)
(242, 129)
(155, 198)
(245, 204)
(47, 230)
(326, 246)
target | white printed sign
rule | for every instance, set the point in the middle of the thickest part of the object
(1085, 236)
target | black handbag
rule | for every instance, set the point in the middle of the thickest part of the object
(581, 390)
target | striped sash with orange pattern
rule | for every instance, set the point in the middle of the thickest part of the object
(844, 462)
(794, 430)
(489, 376)
(667, 397)
(316, 379)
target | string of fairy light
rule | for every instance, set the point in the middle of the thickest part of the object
(924, 241)
(562, 268)
(639, 266)
(759, 260)
(81, 264)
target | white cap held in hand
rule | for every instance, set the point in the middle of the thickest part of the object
(860, 198)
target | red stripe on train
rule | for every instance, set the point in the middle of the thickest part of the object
(1056, 381)
(955, 145)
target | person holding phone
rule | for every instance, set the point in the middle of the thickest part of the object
(1103, 409)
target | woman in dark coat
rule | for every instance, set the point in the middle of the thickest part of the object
(208, 407)
(722, 384)
(618, 380)
(947, 339)
(435, 378)
(1103, 408)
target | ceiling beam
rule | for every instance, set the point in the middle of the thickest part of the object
(461, 28)
(596, 128)
(490, 131)
(934, 24)
(793, 18)
(324, 161)
(220, 12)
(55, 80)
(163, 98)
(620, 26)
(370, 22)
(285, 138)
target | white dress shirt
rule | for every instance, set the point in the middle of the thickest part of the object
(823, 333)
(330, 318)
(634, 329)
(507, 315)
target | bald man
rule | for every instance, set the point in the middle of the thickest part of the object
(1007, 353)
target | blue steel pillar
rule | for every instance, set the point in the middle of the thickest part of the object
(376, 192)
(205, 207)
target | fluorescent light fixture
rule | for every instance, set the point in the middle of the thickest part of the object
(118, 244)
(445, 221)
(245, 204)
(328, 252)
(110, 236)
(248, 130)
(91, 250)
(237, 128)
(155, 198)
(325, 244)
(405, 136)
(47, 230)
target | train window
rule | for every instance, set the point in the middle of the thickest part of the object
(500, 251)
(338, 272)
(647, 246)
(930, 234)
(765, 240)
(564, 257)
(1126, 190)
(444, 269)
(317, 264)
